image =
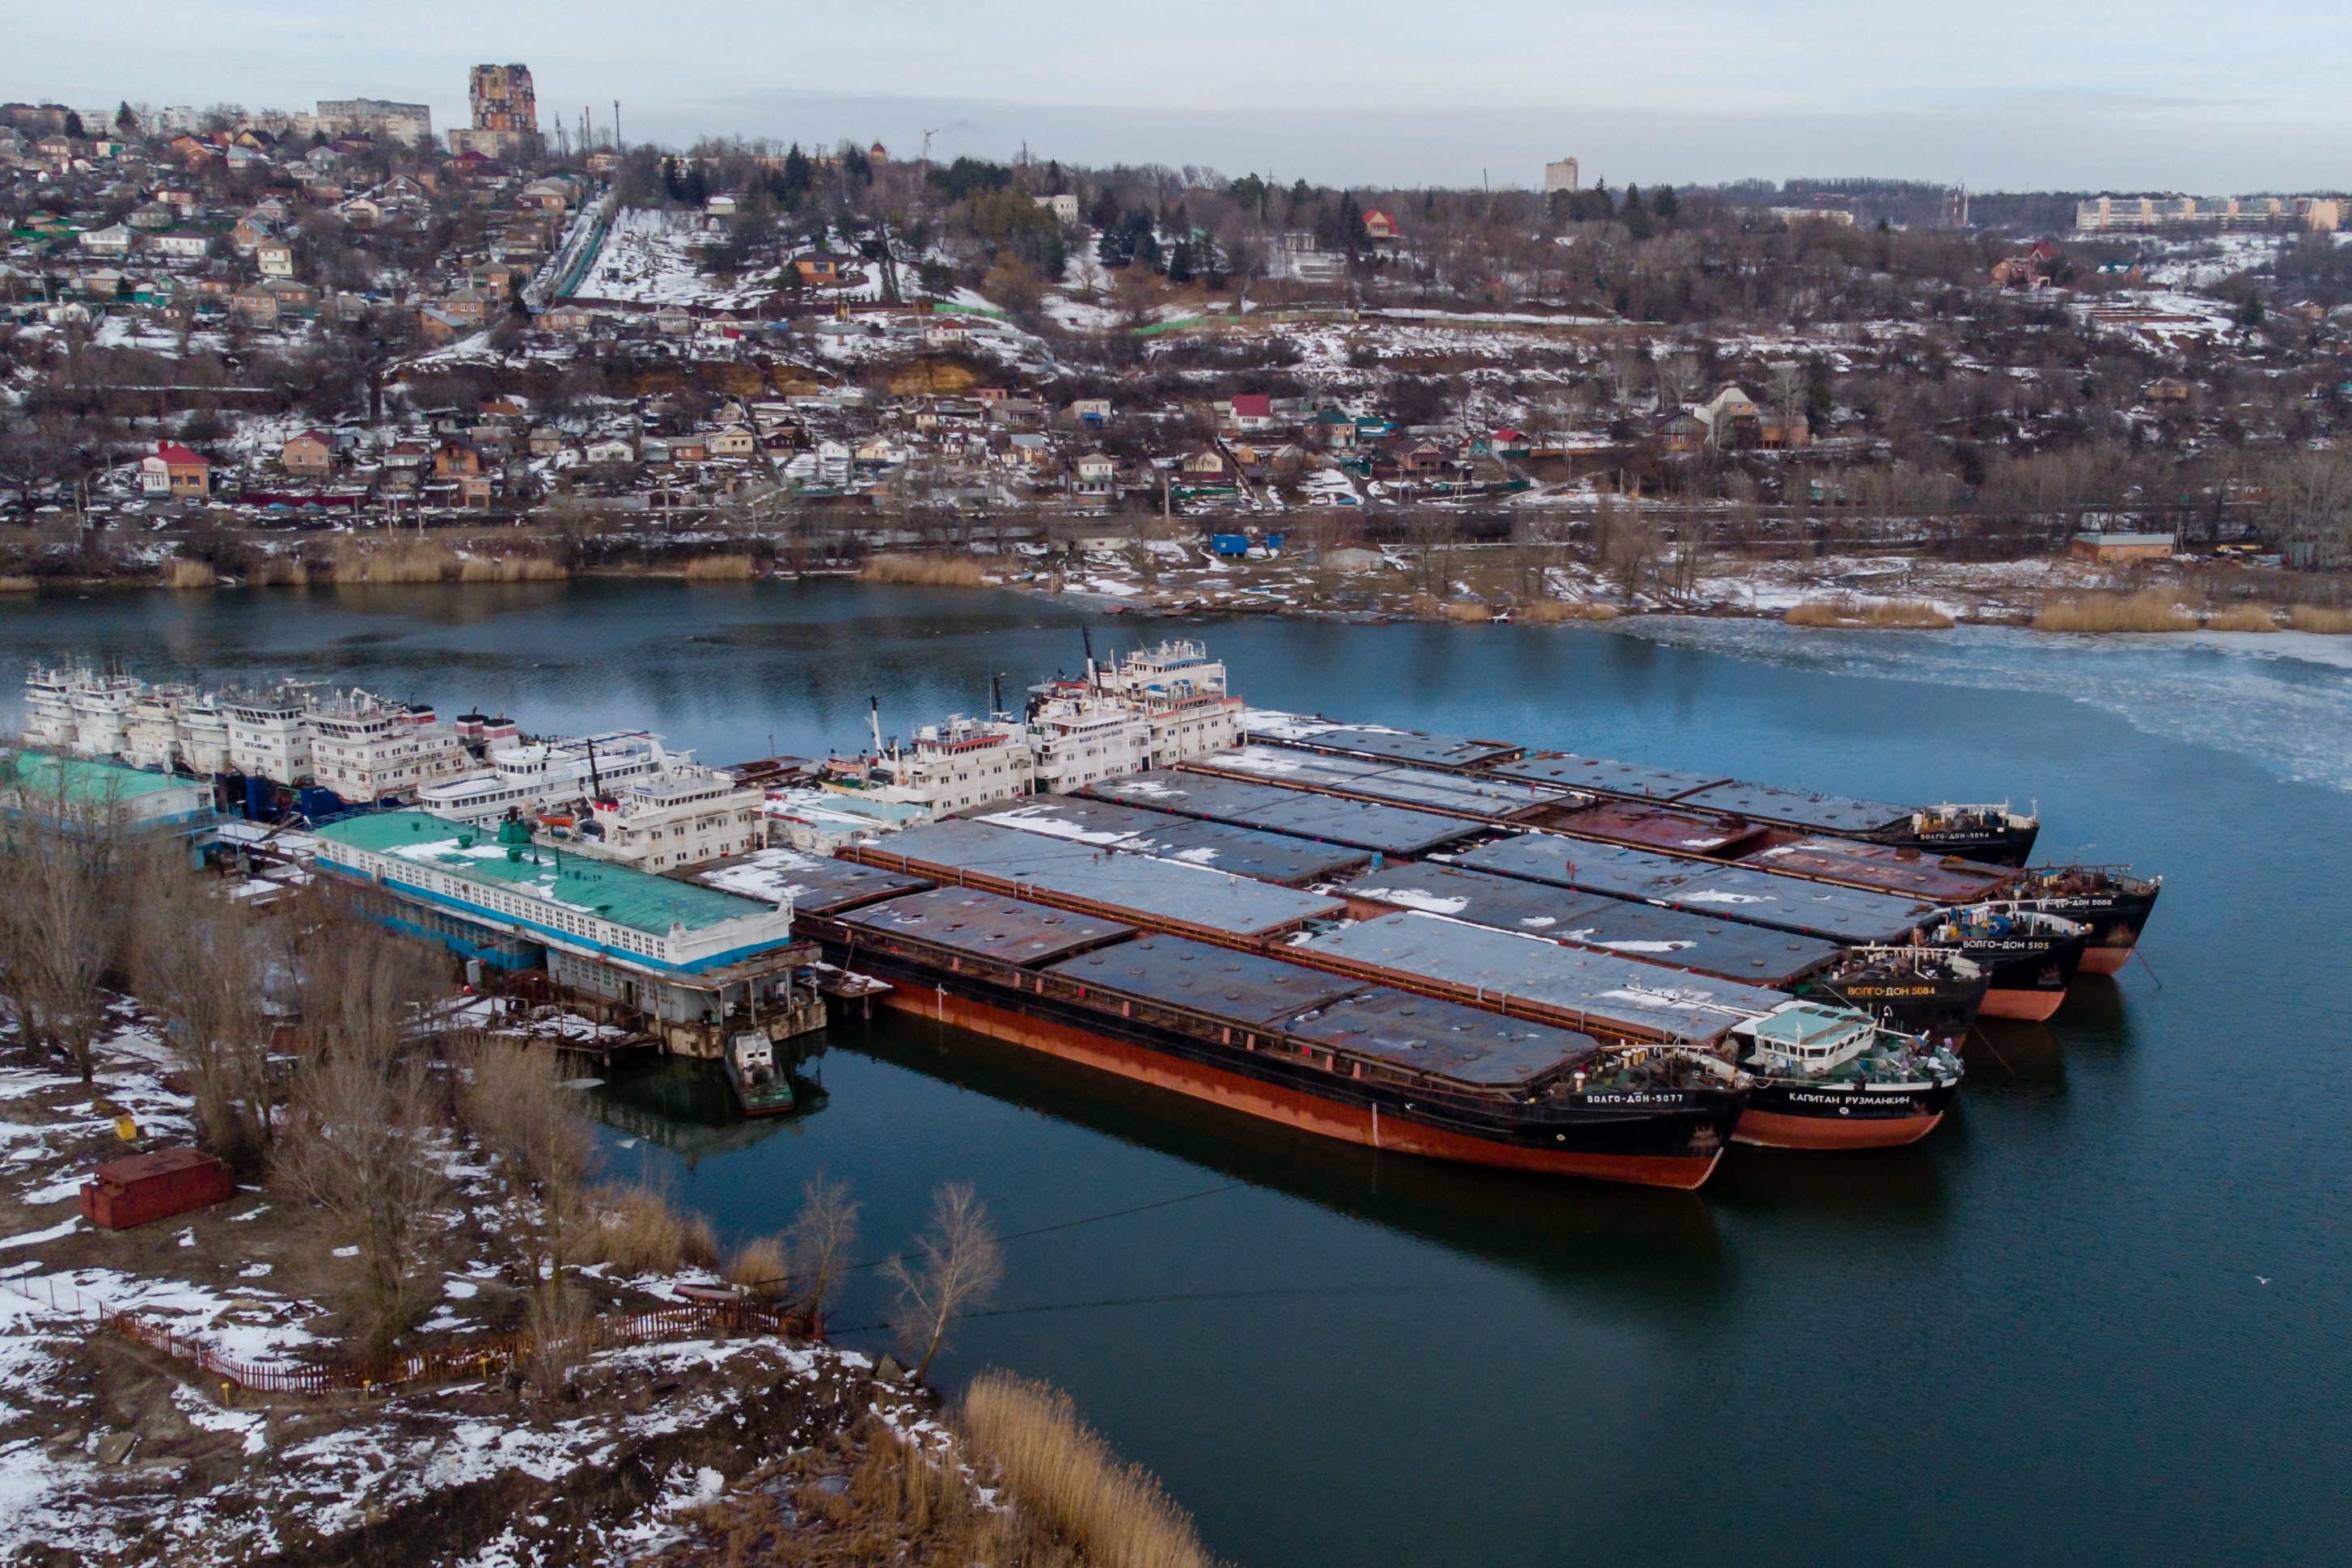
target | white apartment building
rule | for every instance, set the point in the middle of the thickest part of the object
(1559, 175)
(680, 818)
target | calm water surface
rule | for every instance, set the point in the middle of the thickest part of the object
(2101, 1316)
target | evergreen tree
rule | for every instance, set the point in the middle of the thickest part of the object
(1180, 262)
(73, 125)
(697, 187)
(124, 121)
(794, 183)
(1666, 204)
(1632, 199)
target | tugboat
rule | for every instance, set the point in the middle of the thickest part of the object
(760, 1089)
(1828, 1078)
(2109, 899)
(2032, 955)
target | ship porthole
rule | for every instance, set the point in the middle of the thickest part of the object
(1560, 1137)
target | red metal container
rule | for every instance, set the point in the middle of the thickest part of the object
(155, 1185)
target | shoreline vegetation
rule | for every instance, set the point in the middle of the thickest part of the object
(1510, 592)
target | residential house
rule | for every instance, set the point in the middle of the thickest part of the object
(689, 449)
(1380, 228)
(311, 454)
(1677, 434)
(437, 327)
(468, 306)
(1733, 421)
(173, 470)
(567, 319)
(673, 321)
(1783, 432)
(1095, 474)
(2168, 390)
(247, 236)
(817, 270)
(546, 441)
(456, 458)
(1029, 449)
(1250, 412)
(114, 239)
(735, 441)
(361, 212)
(181, 244)
(616, 450)
(255, 307)
(1205, 469)
(153, 216)
(1090, 410)
(294, 296)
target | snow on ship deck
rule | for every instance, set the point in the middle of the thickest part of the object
(1675, 938)
(1417, 1034)
(1166, 894)
(1761, 802)
(985, 926)
(1328, 819)
(1505, 972)
(1843, 915)
(1377, 742)
(1480, 799)
(1219, 846)
(815, 883)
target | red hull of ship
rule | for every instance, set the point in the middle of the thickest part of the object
(2105, 960)
(2032, 1007)
(1287, 1106)
(1771, 1130)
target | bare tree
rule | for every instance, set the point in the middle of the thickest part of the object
(58, 910)
(817, 1245)
(201, 961)
(513, 1102)
(1625, 544)
(361, 1145)
(956, 1263)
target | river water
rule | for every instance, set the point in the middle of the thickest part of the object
(2100, 1316)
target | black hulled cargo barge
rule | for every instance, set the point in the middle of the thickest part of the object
(1995, 834)
(1640, 1016)
(1926, 991)
(1323, 1053)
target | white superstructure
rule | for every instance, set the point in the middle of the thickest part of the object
(682, 816)
(526, 777)
(364, 748)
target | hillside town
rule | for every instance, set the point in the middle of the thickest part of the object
(254, 347)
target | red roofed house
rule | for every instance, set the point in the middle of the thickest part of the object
(172, 470)
(1382, 229)
(1251, 411)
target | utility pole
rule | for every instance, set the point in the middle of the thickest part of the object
(617, 147)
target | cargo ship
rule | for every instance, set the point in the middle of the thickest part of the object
(2033, 956)
(1996, 834)
(2114, 903)
(1325, 1054)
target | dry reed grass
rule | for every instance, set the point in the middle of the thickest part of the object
(2149, 610)
(19, 585)
(922, 571)
(637, 1233)
(1878, 615)
(2244, 618)
(1547, 611)
(2319, 618)
(281, 572)
(511, 569)
(758, 1266)
(1063, 1473)
(393, 563)
(190, 574)
(722, 569)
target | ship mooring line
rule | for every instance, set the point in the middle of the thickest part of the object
(1047, 1229)
(1166, 1299)
(2146, 965)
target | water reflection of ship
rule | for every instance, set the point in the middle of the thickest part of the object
(687, 1106)
(2013, 1050)
(1646, 1246)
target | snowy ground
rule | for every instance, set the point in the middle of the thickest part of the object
(649, 256)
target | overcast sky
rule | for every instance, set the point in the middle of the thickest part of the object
(2158, 94)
